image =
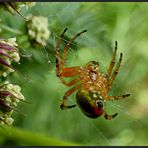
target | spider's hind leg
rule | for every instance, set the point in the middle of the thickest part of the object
(66, 107)
(109, 117)
(117, 97)
(67, 94)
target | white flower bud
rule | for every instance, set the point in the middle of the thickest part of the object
(38, 29)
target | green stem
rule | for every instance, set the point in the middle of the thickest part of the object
(12, 30)
(32, 138)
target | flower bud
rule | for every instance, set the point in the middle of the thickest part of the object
(10, 95)
(37, 27)
(8, 54)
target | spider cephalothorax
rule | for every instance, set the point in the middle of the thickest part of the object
(92, 85)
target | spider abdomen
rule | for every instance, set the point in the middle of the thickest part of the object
(88, 104)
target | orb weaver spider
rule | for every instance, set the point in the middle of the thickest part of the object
(92, 85)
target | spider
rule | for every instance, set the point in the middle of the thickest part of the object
(91, 85)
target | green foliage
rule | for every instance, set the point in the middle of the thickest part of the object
(106, 22)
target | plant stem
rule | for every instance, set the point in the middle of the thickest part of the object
(12, 30)
(32, 138)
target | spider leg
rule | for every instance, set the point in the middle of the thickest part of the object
(66, 48)
(115, 71)
(67, 94)
(117, 97)
(72, 82)
(112, 61)
(70, 72)
(57, 53)
(109, 117)
(61, 71)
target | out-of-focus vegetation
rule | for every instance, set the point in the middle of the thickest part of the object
(106, 22)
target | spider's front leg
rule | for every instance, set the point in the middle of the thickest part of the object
(61, 65)
(58, 64)
(61, 70)
(115, 72)
(67, 46)
(67, 94)
(112, 61)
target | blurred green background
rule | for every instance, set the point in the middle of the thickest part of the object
(106, 22)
